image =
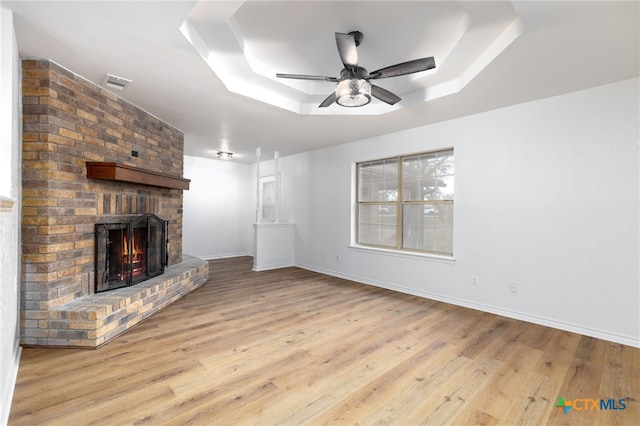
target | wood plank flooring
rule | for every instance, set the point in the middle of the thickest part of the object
(294, 347)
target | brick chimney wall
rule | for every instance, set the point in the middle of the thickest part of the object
(68, 121)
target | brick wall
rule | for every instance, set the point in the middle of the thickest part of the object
(68, 121)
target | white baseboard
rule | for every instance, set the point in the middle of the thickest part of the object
(9, 386)
(560, 325)
(272, 266)
(223, 256)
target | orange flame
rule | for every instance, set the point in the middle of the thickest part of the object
(136, 249)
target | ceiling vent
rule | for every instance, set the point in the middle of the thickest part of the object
(115, 82)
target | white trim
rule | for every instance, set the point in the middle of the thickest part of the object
(272, 266)
(223, 256)
(560, 325)
(405, 254)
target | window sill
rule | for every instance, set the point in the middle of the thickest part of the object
(404, 254)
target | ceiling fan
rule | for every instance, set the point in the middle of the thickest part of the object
(353, 88)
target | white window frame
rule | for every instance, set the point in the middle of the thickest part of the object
(399, 246)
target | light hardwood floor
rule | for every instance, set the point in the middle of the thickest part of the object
(295, 347)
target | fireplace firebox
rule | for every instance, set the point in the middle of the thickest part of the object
(128, 253)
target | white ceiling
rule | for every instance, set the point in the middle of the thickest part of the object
(208, 67)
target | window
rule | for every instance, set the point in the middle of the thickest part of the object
(267, 199)
(406, 203)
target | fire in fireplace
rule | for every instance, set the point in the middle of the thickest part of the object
(128, 253)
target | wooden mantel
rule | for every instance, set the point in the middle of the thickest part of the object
(123, 173)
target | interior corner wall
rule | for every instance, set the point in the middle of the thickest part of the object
(10, 172)
(547, 196)
(218, 208)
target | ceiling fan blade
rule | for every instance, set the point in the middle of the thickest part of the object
(307, 77)
(330, 99)
(347, 50)
(404, 68)
(384, 95)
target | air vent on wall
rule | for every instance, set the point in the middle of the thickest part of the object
(115, 82)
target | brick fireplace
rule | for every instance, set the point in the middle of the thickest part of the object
(69, 122)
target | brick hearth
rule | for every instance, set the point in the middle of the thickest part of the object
(90, 321)
(67, 122)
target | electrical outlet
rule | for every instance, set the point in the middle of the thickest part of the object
(474, 280)
(513, 288)
(321, 255)
(338, 259)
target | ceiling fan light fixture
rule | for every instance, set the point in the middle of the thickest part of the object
(353, 92)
